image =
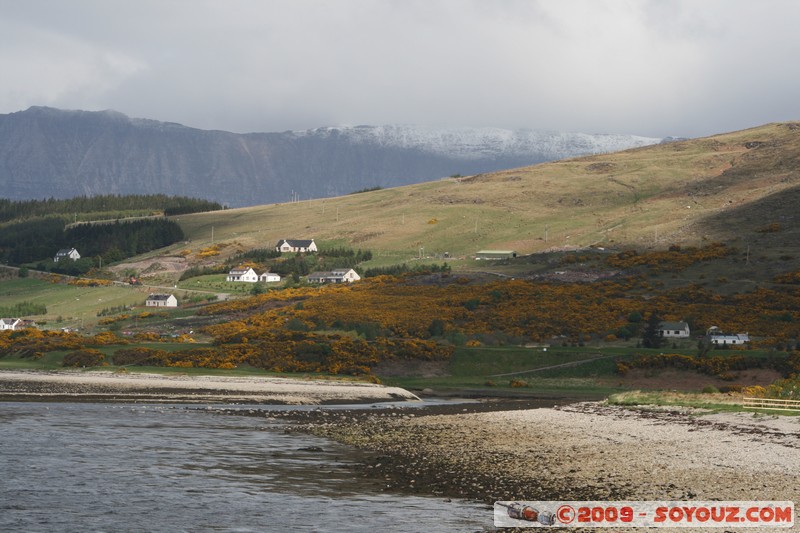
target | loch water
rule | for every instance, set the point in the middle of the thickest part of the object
(68, 467)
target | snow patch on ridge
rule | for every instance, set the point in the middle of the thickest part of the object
(482, 143)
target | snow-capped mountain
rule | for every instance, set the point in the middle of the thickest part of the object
(478, 143)
(47, 152)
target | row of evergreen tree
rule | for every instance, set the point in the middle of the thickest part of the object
(111, 206)
(37, 240)
(303, 264)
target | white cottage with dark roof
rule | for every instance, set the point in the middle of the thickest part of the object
(247, 275)
(674, 330)
(161, 300)
(296, 245)
(334, 276)
(66, 253)
(10, 323)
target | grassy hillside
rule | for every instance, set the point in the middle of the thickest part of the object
(741, 188)
(727, 187)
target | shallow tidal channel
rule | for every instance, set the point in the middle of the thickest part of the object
(135, 467)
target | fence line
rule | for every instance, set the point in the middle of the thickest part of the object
(771, 403)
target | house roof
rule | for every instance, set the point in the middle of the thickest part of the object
(673, 325)
(10, 320)
(738, 336)
(296, 243)
(159, 297)
(240, 271)
(330, 274)
(65, 251)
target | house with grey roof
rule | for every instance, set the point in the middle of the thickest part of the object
(66, 253)
(296, 245)
(674, 330)
(334, 276)
(161, 300)
(242, 274)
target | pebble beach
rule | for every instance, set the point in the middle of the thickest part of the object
(587, 451)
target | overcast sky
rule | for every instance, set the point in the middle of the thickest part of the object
(656, 68)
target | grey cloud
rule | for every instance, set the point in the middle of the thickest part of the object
(653, 68)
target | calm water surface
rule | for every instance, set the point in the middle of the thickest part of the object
(112, 467)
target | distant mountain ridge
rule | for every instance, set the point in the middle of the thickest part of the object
(47, 152)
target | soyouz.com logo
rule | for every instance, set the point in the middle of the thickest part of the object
(771, 514)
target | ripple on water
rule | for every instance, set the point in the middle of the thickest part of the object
(95, 467)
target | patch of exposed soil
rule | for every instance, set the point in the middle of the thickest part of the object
(154, 265)
(602, 167)
(423, 369)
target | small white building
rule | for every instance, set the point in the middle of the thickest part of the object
(242, 274)
(674, 330)
(334, 276)
(10, 324)
(717, 337)
(161, 300)
(269, 277)
(721, 339)
(67, 253)
(296, 245)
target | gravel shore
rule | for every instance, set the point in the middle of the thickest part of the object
(581, 451)
(140, 387)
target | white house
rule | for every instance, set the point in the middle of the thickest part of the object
(161, 300)
(269, 277)
(674, 330)
(717, 337)
(334, 276)
(67, 253)
(10, 323)
(243, 274)
(723, 339)
(296, 245)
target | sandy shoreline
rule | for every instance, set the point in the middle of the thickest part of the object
(109, 386)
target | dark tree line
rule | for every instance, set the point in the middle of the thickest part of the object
(32, 240)
(259, 255)
(396, 270)
(103, 207)
(303, 264)
(40, 239)
(119, 240)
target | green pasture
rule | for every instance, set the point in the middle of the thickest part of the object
(216, 283)
(68, 305)
(494, 369)
(558, 370)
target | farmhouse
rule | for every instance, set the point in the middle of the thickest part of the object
(722, 339)
(296, 245)
(10, 324)
(495, 254)
(242, 274)
(269, 277)
(67, 253)
(334, 276)
(674, 330)
(161, 300)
